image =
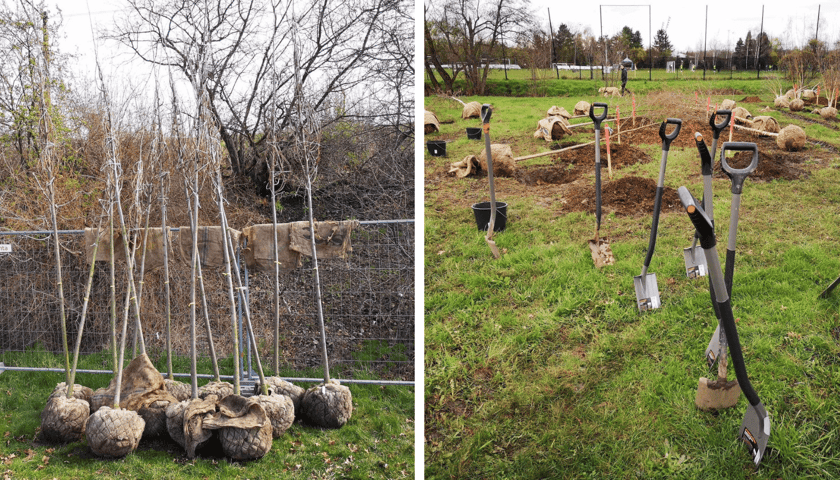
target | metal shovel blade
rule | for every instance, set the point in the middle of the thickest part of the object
(601, 253)
(695, 262)
(647, 292)
(713, 348)
(755, 430)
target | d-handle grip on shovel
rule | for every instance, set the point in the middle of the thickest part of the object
(486, 112)
(707, 240)
(719, 127)
(667, 139)
(600, 118)
(705, 156)
(738, 175)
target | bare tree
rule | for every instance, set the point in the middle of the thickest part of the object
(245, 41)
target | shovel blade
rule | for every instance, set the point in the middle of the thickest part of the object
(647, 292)
(755, 431)
(493, 248)
(601, 253)
(714, 348)
(695, 262)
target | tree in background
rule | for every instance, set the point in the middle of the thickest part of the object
(662, 48)
(564, 41)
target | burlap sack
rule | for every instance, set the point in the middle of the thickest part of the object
(63, 419)
(471, 110)
(766, 124)
(103, 252)
(155, 417)
(259, 248)
(791, 138)
(552, 128)
(210, 246)
(114, 433)
(280, 411)
(582, 108)
(79, 391)
(828, 112)
(141, 386)
(244, 427)
(430, 122)
(503, 163)
(278, 386)
(610, 91)
(327, 405)
(790, 95)
(154, 247)
(185, 420)
(796, 105)
(332, 239)
(808, 96)
(781, 102)
(727, 104)
(741, 115)
(556, 111)
(467, 166)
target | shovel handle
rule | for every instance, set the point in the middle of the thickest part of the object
(719, 127)
(599, 118)
(705, 156)
(738, 175)
(667, 139)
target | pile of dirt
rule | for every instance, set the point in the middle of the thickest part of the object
(620, 155)
(772, 165)
(650, 136)
(554, 175)
(752, 99)
(626, 196)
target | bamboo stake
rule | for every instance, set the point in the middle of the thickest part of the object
(113, 278)
(753, 130)
(142, 275)
(166, 288)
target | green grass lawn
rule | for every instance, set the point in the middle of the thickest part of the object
(377, 442)
(538, 365)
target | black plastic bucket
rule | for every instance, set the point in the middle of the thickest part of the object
(474, 133)
(437, 147)
(482, 215)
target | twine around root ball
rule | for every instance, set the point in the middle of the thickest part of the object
(327, 405)
(63, 419)
(246, 443)
(278, 386)
(114, 433)
(181, 391)
(155, 417)
(220, 389)
(280, 410)
(79, 391)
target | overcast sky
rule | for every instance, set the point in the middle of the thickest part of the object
(792, 21)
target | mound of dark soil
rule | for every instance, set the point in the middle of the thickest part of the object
(751, 99)
(554, 175)
(626, 197)
(620, 155)
(771, 165)
(650, 136)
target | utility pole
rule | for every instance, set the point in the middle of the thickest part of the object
(758, 47)
(705, 35)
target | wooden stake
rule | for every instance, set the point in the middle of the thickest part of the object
(618, 125)
(609, 161)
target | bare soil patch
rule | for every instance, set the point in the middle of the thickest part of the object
(626, 196)
(752, 99)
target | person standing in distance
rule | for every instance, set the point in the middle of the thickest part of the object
(624, 80)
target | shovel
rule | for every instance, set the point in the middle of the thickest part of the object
(647, 290)
(717, 344)
(755, 427)
(695, 262)
(599, 247)
(486, 112)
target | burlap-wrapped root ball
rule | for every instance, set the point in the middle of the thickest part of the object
(244, 428)
(781, 102)
(766, 124)
(280, 410)
(727, 104)
(181, 391)
(503, 163)
(791, 138)
(582, 108)
(278, 386)
(155, 417)
(741, 115)
(555, 111)
(808, 96)
(79, 391)
(471, 110)
(327, 405)
(114, 433)
(828, 113)
(101, 397)
(246, 443)
(796, 105)
(63, 419)
(430, 122)
(220, 389)
(790, 94)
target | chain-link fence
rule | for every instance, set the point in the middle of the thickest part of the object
(368, 305)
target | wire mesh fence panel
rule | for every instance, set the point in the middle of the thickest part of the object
(368, 304)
